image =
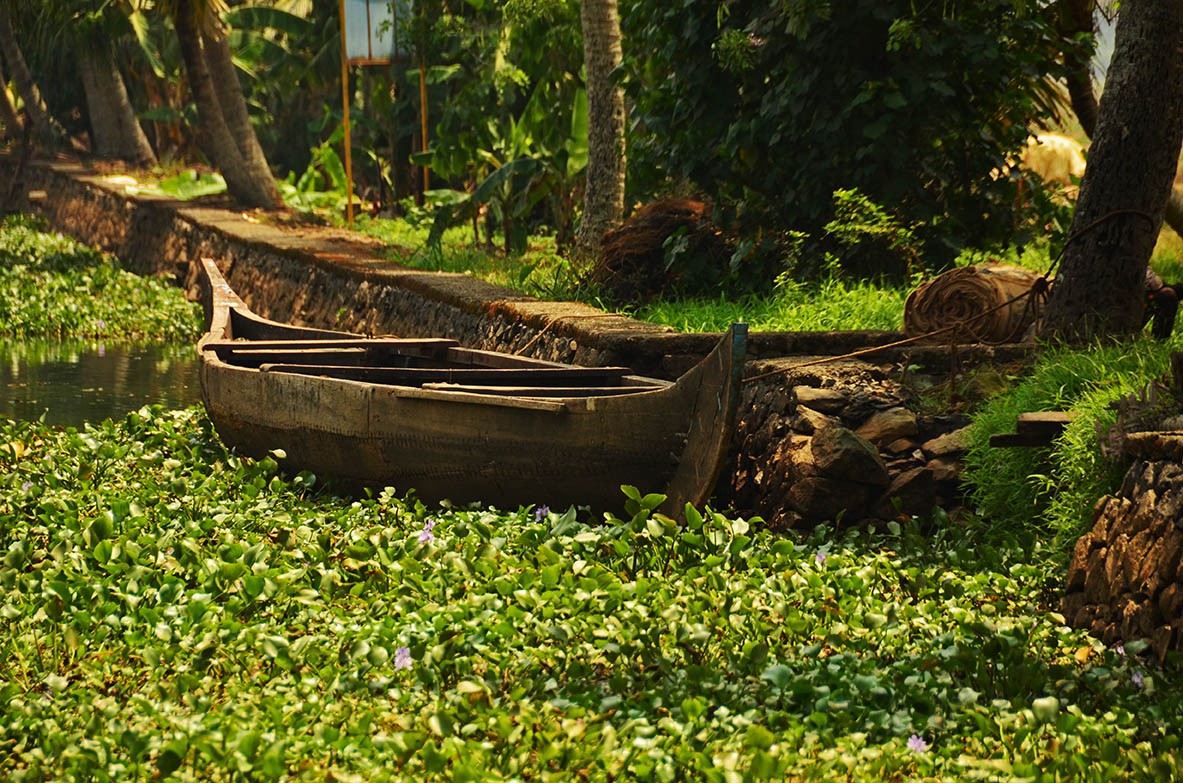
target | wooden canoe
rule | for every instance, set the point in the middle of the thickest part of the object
(461, 424)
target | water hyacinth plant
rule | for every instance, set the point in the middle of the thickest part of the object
(174, 612)
(51, 286)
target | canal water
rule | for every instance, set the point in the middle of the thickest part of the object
(70, 383)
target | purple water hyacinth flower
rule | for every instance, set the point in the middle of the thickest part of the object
(820, 558)
(1120, 649)
(402, 658)
(425, 535)
(26, 485)
(1137, 678)
(540, 513)
(916, 744)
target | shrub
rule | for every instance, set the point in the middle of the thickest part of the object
(771, 108)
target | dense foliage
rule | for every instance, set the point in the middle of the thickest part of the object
(772, 108)
(174, 612)
(52, 286)
(771, 111)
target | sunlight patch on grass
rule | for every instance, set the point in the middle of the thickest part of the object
(832, 305)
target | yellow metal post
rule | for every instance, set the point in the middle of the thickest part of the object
(345, 116)
(423, 122)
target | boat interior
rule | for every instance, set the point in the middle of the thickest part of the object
(427, 363)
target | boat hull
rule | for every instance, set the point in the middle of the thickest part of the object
(449, 447)
(552, 446)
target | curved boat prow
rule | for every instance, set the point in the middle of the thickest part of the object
(718, 379)
(216, 296)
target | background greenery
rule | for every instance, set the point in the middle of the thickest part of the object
(773, 108)
(52, 286)
(768, 111)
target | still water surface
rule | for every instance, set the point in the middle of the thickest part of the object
(74, 382)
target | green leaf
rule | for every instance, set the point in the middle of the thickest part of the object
(263, 17)
(758, 736)
(172, 756)
(1046, 708)
(142, 28)
(652, 501)
(874, 620)
(778, 674)
(694, 707)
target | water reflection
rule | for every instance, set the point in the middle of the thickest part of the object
(74, 382)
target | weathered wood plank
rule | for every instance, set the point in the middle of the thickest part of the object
(1034, 429)
(225, 347)
(543, 391)
(417, 376)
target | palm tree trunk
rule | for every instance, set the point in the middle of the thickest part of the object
(133, 142)
(117, 132)
(217, 139)
(26, 86)
(603, 203)
(219, 61)
(8, 117)
(103, 126)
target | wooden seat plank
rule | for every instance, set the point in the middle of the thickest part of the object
(1034, 429)
(543, 391)
(417, 376)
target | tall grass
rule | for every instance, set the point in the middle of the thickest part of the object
(1053, 490)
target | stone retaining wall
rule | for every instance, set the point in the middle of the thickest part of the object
(838, 442)
(1125, 581)
(329, 278)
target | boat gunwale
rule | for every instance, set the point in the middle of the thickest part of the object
(219, 337)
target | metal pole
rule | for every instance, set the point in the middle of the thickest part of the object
(423, 121)
(345, 118)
